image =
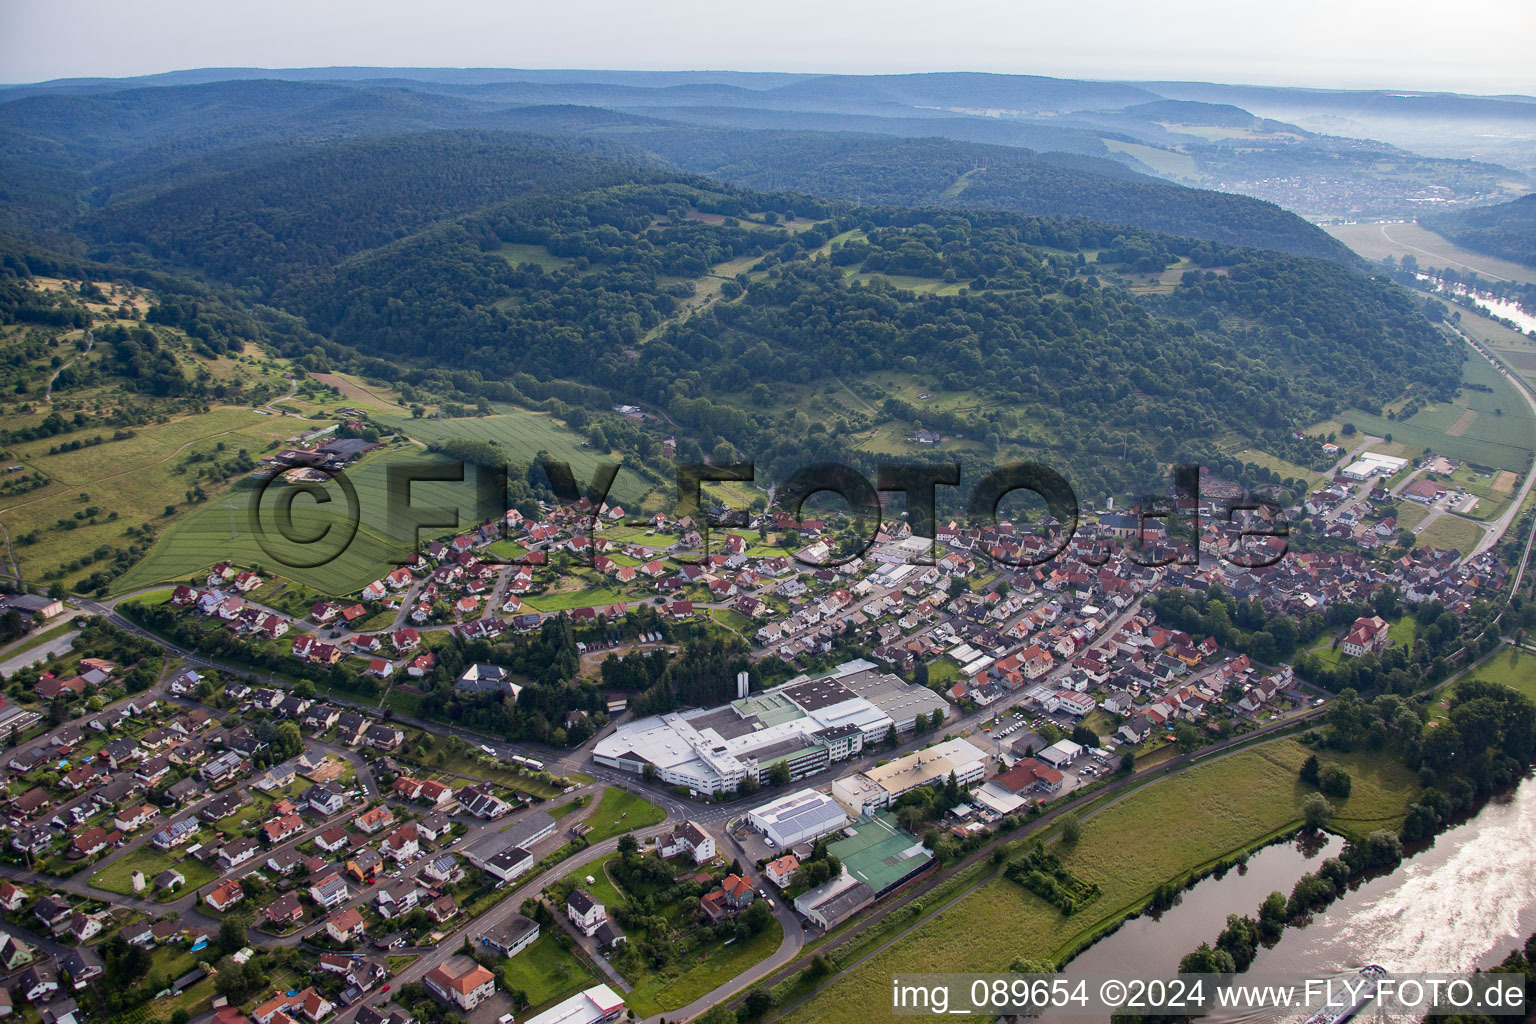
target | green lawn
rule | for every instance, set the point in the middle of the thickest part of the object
(546, 973)
(1451, 532)
(732, 620)
(1159, 832)
(698, 977)
(1403, 631)
(945, 670)
(621, 811)
(1512, 667)
(601, 888)
(118, 876)
(585, 597)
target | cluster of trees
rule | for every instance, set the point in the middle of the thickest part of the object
(1519, 961)
(703, 675)
(1238, 943)
(1042, 873)
(928, 803)
(651, 885)
(21, 303)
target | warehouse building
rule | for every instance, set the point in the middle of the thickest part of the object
(866, 792)
(806, 724)
(798, 817)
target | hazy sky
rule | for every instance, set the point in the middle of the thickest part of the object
(1470, 46)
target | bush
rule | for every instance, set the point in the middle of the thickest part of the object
(1316, 811)
(1335, 781)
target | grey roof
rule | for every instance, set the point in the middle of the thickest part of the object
(529, 826)
(510, 932)
(845, 902)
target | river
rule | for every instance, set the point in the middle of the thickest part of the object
(1463, 903)
(1497, 307)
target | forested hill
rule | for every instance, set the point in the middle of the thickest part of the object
(64, 154)
(479, 265)
(1507, 230)
(595, 289)
(272, 220)
(932, 171)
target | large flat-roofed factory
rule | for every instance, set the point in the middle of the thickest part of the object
(806, 723)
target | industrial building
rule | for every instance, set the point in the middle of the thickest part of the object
(799, 817)
(877, 858)
(806, 724)
(869, 791)
(598, 1003)
(1370, 464)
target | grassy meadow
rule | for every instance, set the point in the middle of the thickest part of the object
(1159, 832)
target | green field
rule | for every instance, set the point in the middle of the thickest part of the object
(523, 435)
(135, 479)
(518, 253)
(545, 973)
(659, 993)
(1159, 832)
(685, 979)
(1451, 532)
(1377, 241)
(621, 811)
(118, 876)
(224, 530)
(582, 597)
(1500, 433)
(1514, 668)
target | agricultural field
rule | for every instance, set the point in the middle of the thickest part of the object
(1378, 241)
(523, 435)
(1162, 831)
(1500, 434)
(97, 494)
(1515, 349)
(227, 530)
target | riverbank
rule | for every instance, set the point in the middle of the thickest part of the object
(1169, 830)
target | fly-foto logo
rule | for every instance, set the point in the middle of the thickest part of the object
(330, 518)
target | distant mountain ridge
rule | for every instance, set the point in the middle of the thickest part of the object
(64, 152)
